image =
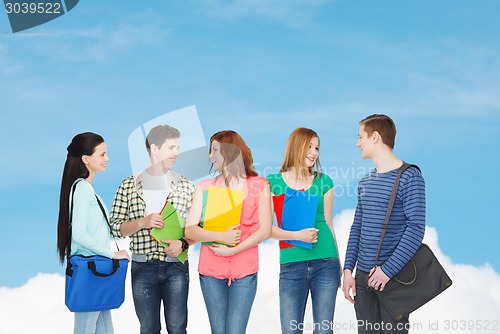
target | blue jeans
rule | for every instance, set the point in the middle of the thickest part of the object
(156, 281)
(228, 307)
(93, 322)
(320, 277)
(371, 314)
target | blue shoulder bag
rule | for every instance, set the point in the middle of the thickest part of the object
(93, 283)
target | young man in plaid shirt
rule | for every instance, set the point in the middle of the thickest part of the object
(157, 274)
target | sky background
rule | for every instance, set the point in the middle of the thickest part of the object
(262, 68)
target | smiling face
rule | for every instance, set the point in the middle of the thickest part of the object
(364, 143)
(97, 161)
(216, 156)
(167, 153)
(312, 153)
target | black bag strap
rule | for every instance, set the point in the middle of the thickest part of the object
(105, 217)
(92, 267)
(390, 205)
(68, 247)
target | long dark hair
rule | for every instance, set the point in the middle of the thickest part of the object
(74, 168)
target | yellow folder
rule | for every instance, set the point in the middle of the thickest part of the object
(223, 209)
(173, 228)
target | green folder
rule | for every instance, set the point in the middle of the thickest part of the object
(173, 228)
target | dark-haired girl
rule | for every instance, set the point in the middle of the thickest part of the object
(87, 154)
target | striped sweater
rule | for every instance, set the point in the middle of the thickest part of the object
(406, 225)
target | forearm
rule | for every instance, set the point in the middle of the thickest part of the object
(280, 234)
(92, 245)
(414, 208)
(406, 249)
(352, 250)
(189, 241)
(131, 227)
(351, 256)
(253, 240)
(198, 234)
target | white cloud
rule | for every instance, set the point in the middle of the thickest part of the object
(473, 300)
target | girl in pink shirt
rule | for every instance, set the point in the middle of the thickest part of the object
(228, 275)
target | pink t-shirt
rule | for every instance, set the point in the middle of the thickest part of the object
(244, 263)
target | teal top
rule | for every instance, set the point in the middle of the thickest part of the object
(90, 231)
(325, 247)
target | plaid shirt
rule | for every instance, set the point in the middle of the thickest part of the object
(130, 205)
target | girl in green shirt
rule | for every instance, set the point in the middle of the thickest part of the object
(304, 270)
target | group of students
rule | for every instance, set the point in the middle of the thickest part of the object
(228, 274)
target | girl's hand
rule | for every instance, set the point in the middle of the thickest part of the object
(232, 235)
(221, 250)
(308, 235)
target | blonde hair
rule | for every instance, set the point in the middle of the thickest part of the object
(295, 152)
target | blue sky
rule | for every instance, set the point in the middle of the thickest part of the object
(262, 68)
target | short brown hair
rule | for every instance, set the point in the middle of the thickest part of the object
(384, 125)
(159, 134)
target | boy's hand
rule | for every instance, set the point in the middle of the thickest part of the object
(348, 284)
(378, 279)
(174, 247)
(153, 220)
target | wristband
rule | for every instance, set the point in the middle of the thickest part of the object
(185, 244)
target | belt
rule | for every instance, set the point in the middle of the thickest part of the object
(144, 258)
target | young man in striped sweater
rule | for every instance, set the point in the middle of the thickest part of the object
(405, 230)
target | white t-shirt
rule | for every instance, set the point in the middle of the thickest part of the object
(155, 190)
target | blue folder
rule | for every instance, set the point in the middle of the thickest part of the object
(299, 212)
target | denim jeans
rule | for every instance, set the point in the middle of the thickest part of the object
(156, 281)
(228, 307)
(320, 277)
(93, 322)
(372, 316)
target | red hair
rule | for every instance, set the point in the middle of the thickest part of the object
(232, 148)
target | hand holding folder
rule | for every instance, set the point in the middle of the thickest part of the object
(173, 228)
(297, 210)
(223, 209)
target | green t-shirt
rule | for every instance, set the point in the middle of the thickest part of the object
(325, 247)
